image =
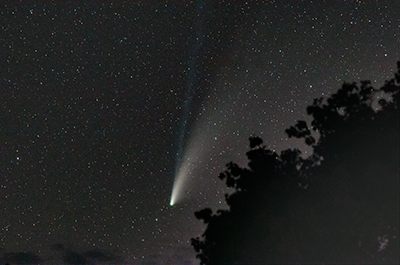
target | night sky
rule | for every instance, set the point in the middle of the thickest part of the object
(104, 106)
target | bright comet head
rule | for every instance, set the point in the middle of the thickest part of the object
(178, 185)
(193, 155)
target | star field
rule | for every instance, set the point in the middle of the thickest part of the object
(93, 99)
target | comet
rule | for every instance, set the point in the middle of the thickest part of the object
(178, 186)
(182, 180)
(187, 168)
(183, 165)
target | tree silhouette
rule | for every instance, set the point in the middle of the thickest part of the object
(340, 205)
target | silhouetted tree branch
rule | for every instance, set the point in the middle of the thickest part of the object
(332, 207)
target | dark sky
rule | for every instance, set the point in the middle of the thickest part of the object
(101, 105)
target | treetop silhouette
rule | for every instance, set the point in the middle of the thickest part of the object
(340, 205)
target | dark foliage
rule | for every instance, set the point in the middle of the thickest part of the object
(21, 258)
(72, 257)
(341, 205)
(94, 256)
(98, 256)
